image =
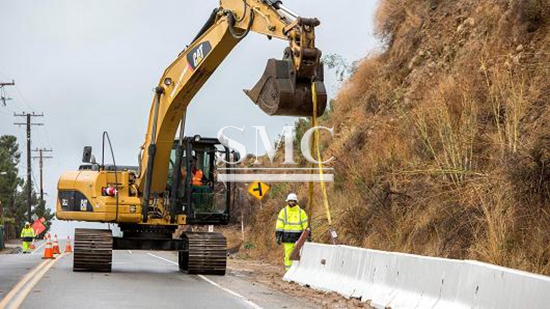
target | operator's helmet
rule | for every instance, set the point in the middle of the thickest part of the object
(27, 223)
(292, 197)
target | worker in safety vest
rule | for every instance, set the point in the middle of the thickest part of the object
(198, 178)
(291, 222)
(27, 234)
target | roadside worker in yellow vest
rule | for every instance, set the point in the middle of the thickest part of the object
(27, 235)
(291, 222)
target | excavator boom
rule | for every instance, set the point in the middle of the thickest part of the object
(284, 89)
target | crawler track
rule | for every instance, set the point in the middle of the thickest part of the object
(93, 250)
(204, 254)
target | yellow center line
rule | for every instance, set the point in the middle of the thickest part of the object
(21, 283)
(17, 295)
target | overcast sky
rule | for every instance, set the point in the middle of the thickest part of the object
(90, 66)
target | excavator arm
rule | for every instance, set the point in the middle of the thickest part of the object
(284, 89)
(140, 202)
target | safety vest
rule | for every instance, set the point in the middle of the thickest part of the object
(291, 221)
(27, 232)
(197, 178)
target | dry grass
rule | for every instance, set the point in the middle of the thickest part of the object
(448, 130)
(534, 13)
(442, 141)
(507, 95)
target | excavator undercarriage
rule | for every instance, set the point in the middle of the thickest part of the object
(198, 252)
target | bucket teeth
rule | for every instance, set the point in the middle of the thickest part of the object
(281, 93)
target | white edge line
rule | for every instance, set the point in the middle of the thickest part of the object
(248, 302)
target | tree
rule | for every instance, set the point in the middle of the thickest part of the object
(342, 68)
(9, 181)
(19, 209)
(13, 197)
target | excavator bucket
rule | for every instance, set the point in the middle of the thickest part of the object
(280, 92)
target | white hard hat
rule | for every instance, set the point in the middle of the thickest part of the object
(27, 223)
(292, 197)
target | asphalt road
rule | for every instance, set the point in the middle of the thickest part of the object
(13, 268)
(140, 279)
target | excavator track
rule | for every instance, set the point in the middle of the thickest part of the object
(203, 254)
(93, 250)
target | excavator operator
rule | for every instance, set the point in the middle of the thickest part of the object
(198, 178)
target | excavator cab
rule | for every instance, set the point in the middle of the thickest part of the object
(193, 187)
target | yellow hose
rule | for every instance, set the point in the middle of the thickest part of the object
(318, 150)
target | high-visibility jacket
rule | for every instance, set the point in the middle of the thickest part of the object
(197, 178)
(27, 234)
(291, 222)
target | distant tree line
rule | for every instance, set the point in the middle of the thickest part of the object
(13, 196)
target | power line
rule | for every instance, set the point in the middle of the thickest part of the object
(23, 98)
(29, 124)
(26, 102)
(3, 97)
(34, 183)
(41, 158)
(43, 135)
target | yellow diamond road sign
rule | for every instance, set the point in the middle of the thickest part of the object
(258, 189)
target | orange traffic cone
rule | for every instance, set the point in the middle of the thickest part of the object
(68, 248)
(31, 246)
(48, 250)
(55, 245)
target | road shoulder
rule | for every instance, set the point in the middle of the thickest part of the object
(270, 275)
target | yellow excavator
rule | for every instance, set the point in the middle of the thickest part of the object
(174, 184)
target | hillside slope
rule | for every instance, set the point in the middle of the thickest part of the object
(443, 142)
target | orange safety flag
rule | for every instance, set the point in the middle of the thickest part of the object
(38, 226)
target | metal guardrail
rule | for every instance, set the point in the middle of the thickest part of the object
(399, 280)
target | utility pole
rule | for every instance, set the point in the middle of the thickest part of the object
(3, 97)
(29, 165)
(41, 158)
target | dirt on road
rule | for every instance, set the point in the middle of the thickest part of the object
(11, 247)
(271, 275)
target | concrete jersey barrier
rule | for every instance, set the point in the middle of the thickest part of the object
(399, 280)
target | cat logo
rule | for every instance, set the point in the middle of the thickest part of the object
(83, 205)
(196, 55)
